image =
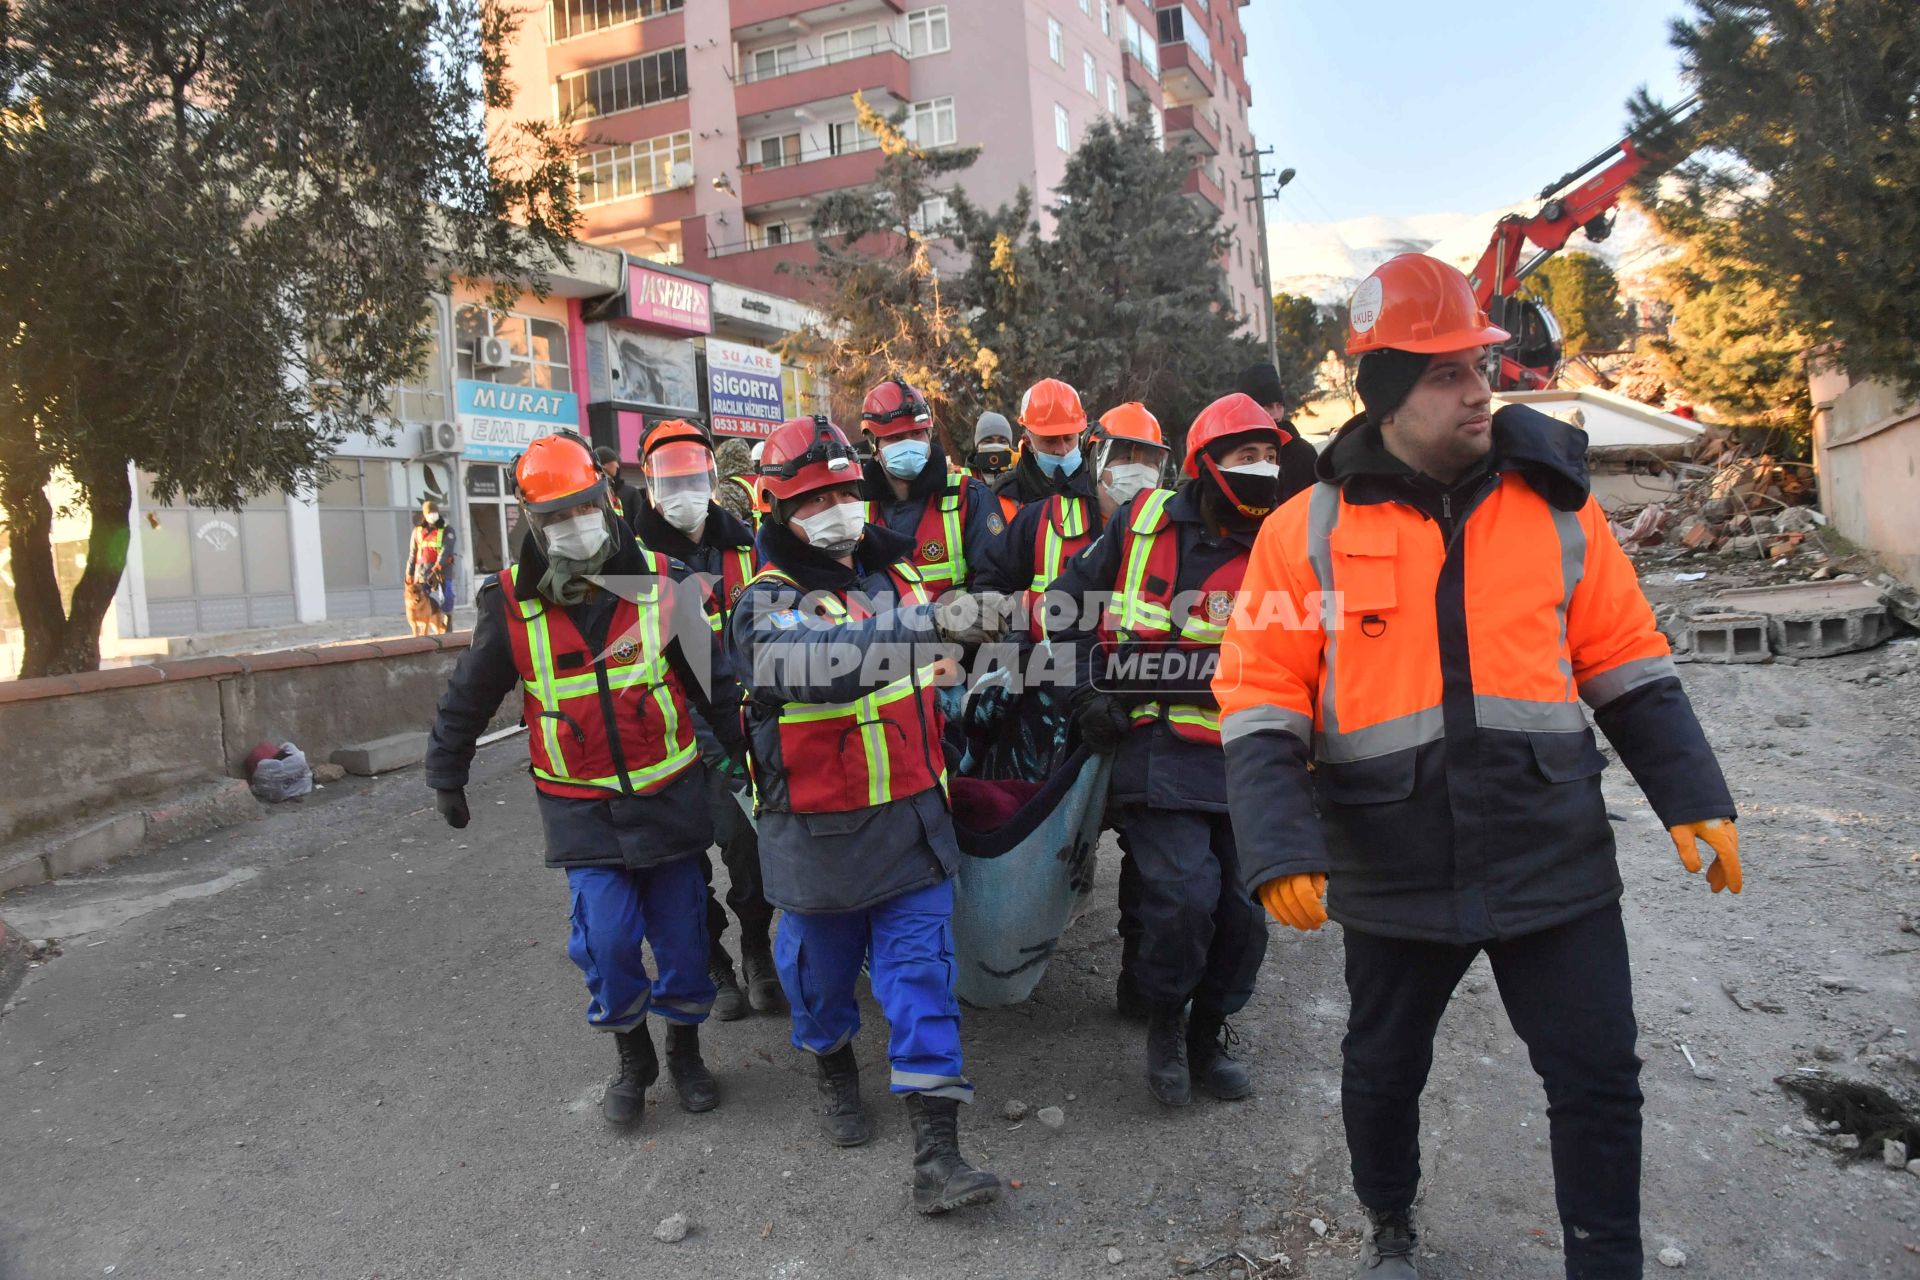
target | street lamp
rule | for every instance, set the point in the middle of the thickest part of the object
(1259, 178)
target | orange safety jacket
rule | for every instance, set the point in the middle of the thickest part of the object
(600, 724)
(1435, 685)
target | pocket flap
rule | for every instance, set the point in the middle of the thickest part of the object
(1380, 780)
(839, 824)
(1367, 538)
(1566, 757)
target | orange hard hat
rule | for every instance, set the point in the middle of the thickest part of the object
(893, 408)
(1418, 304)
(673, 429)
(1130, 421)
(676, 447)
(804, 454)
(1052, 408)
(1231, 415)
(557, 472)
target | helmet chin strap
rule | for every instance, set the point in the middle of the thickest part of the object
(1220, 479)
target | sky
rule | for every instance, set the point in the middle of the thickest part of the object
(1399, 108)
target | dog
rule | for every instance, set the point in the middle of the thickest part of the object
(423, 608)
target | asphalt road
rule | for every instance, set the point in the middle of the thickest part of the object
(345, 1041)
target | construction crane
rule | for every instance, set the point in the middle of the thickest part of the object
(1520, 243)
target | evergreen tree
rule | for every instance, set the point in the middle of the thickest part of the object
(1584, 296)
(1807, 169)
(1304, 335)
(885, 311)
(221, 226)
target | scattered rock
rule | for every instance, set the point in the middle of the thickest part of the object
(1826, 1053)
(1015, 1111)
(1845, 1141)
(1686, 1006)
(1913, 1167)
(325, 773)
(1052, 1117)
(1238, 1273)
(1115, 1257)
(1792, 720)
(1672, 1257)
(672, 1230)
(1836, 982)
(1893, 1153)
(1319, 1227)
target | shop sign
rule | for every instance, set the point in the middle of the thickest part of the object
(499, 421)
(669, 302)
(743, 389)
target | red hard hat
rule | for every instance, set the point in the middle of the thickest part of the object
(1052, 408)
(1419, 304)
(1130, 421)
(893, 407)
(1232, 415)
(557, 472)
(804, 454)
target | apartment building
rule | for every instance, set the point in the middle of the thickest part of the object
(713, 127)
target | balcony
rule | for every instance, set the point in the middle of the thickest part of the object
(882, 71)
(1185, 74)
(754, 18)
(813, 172)
(1205, 182)
(1194, 127)
(1143, 79)
(625, 215)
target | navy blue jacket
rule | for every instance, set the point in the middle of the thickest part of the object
(621, 831)
(981, 524)
(1007, 563)
(826, 862)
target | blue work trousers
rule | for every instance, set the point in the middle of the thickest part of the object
(615, 910)
(907, 942)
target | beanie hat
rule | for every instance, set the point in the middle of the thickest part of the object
(991, 426)
(1385, 380)
(1261, 382)
(603, 455)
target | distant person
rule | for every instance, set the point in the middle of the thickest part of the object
(624, 496)
(1297, 457)
(734, 461)
(430, 566)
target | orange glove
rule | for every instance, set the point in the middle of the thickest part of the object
(1721, 837)
(1295, 900)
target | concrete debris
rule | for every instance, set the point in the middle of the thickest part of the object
(1052, 1117)
(672, 1230)
(1015, 1111)
(1899, 599)
(1729, 637)
(1816, 619)
(1893, 1153)
(1319, 1227)
(1115, 1257)
(1672, 1257)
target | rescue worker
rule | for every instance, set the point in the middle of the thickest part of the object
(1129, 455)
(1422, 628)
(677, 515)
(430, 560)
(856, 839)
(1173, 560)
(1261, 382)
(949, 517)
(734, 458)
(620, 493)
(993, 455)
(1051, 421)
(588, 624)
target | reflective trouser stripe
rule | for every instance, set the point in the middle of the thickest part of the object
(955, 1087)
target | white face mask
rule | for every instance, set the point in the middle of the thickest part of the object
(1263, 470)
(433, 517)
(1129, 478)
(686, 512)
(836, 531)
(577, 538)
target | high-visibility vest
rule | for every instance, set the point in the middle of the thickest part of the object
(880, 747)
(736, 571)
(1142, 608)
(598, 725)
(428, 542)
(939, 540)
(1065, 529)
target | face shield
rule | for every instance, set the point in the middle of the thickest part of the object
(681, 477)
(1126, 467)
(574, 528)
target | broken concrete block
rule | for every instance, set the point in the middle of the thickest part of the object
(383, 755)
(1730, 637)
(1816, 619)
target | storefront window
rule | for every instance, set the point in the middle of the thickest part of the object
(208, 570)
(365, 523)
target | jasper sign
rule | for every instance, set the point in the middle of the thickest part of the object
(663, 301)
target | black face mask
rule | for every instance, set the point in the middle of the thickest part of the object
(992, 461)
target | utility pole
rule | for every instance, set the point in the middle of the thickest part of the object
(1258, 177)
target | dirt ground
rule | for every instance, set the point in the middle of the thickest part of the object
(344, 1041)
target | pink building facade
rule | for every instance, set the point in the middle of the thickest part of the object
(712, 127)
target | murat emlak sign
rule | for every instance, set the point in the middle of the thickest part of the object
(499, 421)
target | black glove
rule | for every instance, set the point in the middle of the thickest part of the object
(453, 806)
(1102, 721)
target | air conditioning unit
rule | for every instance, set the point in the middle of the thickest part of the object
(492, 353)
(682, 174)
(439, 438)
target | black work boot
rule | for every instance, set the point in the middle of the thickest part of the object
(942, 1180)
(1167, 1055)
(763, 980)
(691, 1079)
(1209, 1062)
(626, 1096)
(1391, 1241)
(844, 1119)
(1127, 1000)
(728, 1004)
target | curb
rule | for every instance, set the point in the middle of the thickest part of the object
(98, 841)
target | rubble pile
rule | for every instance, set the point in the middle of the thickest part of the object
(1727, 502)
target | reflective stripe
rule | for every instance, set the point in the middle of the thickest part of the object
(1402, 733)
(1524, 715)
(1252, 720)
(955, 1087)
(1137, 612)
(1323, 513)
(1599, 690)
(1573, 567)
(954, 568)
(1052, 559)
(723, 599)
